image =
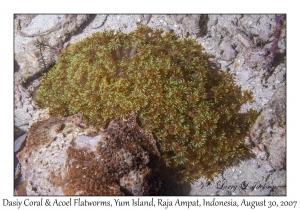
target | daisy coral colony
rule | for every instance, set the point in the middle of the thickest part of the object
(191, 109)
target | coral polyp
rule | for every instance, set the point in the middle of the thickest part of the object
(192, 109)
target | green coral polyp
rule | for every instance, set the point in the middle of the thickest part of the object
(192, 109)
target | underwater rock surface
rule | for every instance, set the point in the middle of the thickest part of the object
(63, 156)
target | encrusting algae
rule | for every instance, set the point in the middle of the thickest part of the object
(191, 109)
